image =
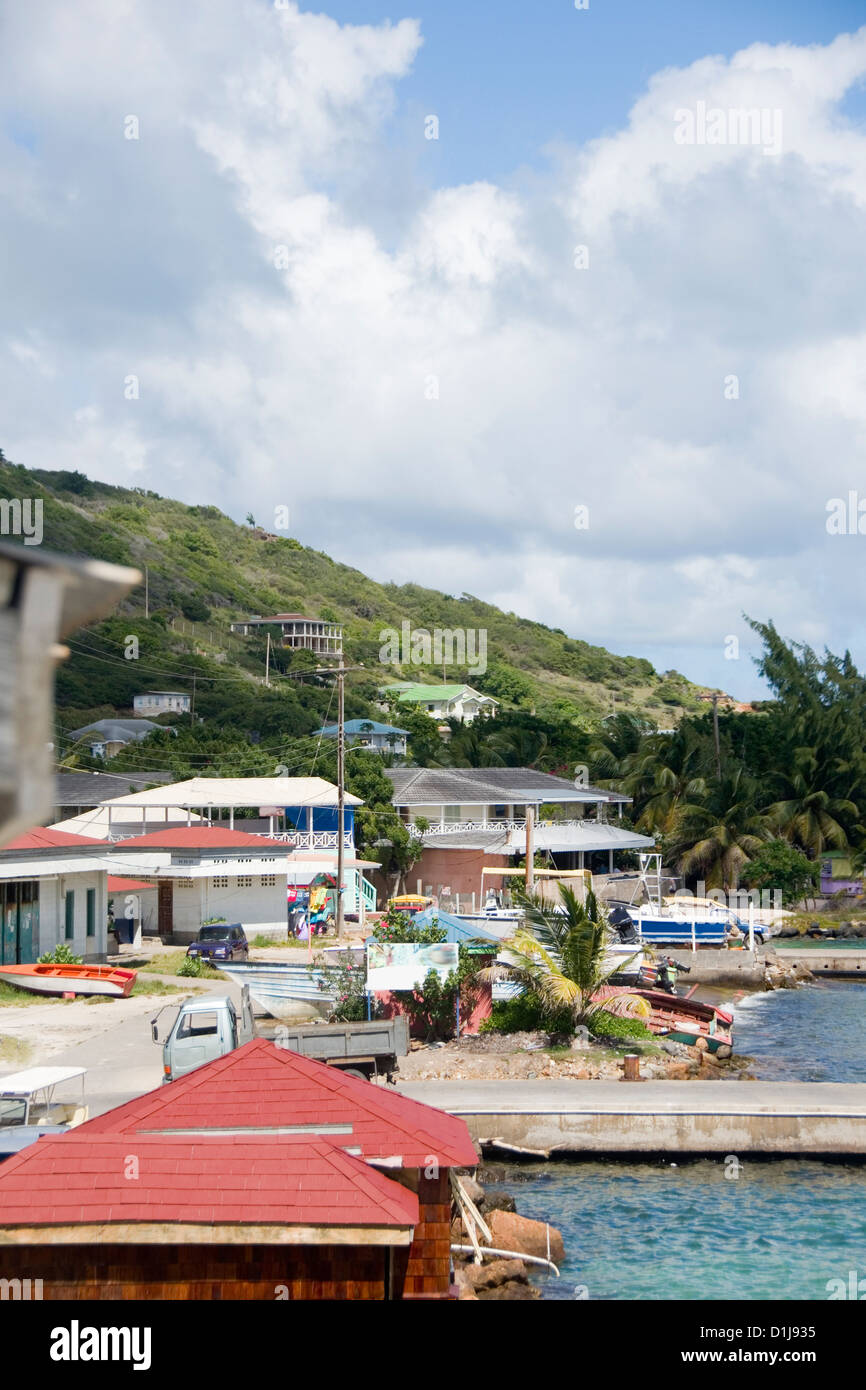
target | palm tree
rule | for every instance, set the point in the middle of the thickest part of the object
(561, 954)
(809, 816)
(670, 773)
(717, 836)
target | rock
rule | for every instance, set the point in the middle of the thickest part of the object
(512, 1290)
(701, 1044)
(519, 1233)
(489, 1275)
(497, 1201)
(474, 1191)
(678, 1071)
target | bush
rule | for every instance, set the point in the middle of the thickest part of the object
(61, 955)
(608, 1025)
(191, 966)
(527, 1014)
(398, 926)
(348, 984)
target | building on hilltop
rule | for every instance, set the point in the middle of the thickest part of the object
(158, 702)
(298, 632)
(369, 733)
(461, 702)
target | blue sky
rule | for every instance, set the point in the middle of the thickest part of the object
(508, 79)
(394, 338)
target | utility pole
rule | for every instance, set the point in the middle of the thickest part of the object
(716, 734)
(341, 792)
(530, 850)
(192, 701)
(339, 672)
(268, 661)
(146, 593)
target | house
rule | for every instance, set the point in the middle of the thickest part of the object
(443, 701)
(298, 632)
(157, 702)
(301, 810)
(369, 733)
(53, 891)
(469, 819)
(838, 876)
(261, 1174)
(77, 792)
(106, 737)
(204, 871)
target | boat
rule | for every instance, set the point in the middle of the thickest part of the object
(281, 987)
(70, 979)
(680, 1019)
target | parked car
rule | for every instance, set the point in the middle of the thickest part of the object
(223, 941)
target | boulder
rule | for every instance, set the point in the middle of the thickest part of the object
(489, 1275)
(513, 1290)
(519, 1233)
(474, 1191)
(497, 1201)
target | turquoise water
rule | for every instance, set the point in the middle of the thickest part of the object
(816, 1033)
(781, 1230)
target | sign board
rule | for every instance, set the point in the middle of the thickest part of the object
(396, 965)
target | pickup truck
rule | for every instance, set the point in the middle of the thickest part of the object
(210, 1026)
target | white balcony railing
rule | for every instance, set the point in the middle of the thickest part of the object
(303, 839)
(457, 827)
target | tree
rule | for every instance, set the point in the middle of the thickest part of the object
(561, 955)
(717, 836)
(778, 866)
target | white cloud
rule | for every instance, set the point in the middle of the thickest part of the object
(434, 399)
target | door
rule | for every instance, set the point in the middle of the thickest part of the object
(28, 918)
(9, 945)
(165, 908)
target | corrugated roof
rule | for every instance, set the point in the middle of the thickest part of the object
(263, 1086)
(90, 788)
(237, 791)
(360, 726)
(215, 1179)
(433, 786)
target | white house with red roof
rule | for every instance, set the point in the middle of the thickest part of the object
(203, 871)
(53, 890)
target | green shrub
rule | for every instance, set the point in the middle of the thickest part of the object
(61, 955)
(608, 1025)
(191, 966)
(526, 1014)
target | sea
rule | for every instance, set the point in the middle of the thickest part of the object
(751, 1229)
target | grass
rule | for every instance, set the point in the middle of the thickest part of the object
(14, 1050)
(10, 996)
(168, 962)
(260, 943)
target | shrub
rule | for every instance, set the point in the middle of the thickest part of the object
(61, 955)
(607, 1025)
(526, 1014)
(191, 966)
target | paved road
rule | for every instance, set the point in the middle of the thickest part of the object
(123, 1062)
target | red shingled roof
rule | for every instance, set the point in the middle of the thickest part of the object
(264, 1087)
(42, 838)
(281, 1180)
(202, 837)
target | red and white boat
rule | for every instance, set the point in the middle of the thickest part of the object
(70, 979)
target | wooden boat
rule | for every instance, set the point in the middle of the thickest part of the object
(70, 979)
(680, 1019)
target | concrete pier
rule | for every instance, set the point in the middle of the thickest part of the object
(800, 1119)
(830, 960)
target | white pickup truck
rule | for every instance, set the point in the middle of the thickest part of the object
(210, 1026)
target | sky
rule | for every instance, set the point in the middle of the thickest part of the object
(510, 300)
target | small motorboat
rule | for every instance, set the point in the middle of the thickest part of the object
(680, 1019)
(70, 979)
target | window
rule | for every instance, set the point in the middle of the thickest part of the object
(245, 881)
(198, 1025)
(13, 1111)
(91, 912)
(69, 909)
(269, 880)
(220, 883)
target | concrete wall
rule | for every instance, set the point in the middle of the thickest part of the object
(52, 913)
(258, 909)
(457, 869)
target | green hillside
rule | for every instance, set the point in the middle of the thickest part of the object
(205, 571)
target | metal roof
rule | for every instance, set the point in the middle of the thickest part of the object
(202, 792)
(37, 1079)
(484, 786)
